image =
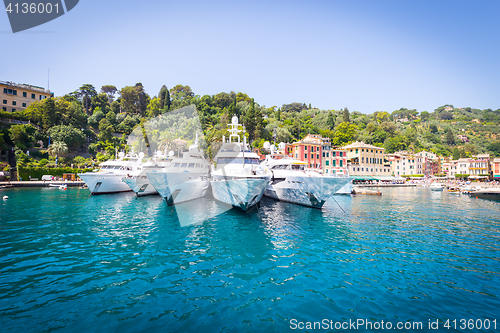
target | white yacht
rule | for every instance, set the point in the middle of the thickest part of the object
(109, 178)
(186, 178)
(139, 183)
(238, 179)
(292, 182)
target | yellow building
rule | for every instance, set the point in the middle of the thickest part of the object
(366, 160)
(15, 97)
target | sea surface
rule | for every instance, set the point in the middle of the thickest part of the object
(72, 262)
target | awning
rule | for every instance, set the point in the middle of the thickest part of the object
(363, 178)
(477, 177)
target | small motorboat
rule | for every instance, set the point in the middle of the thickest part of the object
(453, 190)
(490, 193)
(436, 187)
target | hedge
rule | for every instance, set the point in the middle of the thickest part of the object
(38, 172)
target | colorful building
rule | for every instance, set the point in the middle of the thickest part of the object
(495, 168)
(318, 153)
(15, 97)
(366, 160)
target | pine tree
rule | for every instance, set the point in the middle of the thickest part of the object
(259, 124)
(346, 116)
(449, 137)
(278, 114)
(161, 96)
(250, 121)
(167, 101)
(330, 121)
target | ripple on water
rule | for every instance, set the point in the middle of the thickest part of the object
(74, 262)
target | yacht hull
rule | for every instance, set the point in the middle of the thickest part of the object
(306, 191)
(104, 183)
(140, 185)
(177, 187)
(239, 192)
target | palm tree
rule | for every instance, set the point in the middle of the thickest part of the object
(58, 148)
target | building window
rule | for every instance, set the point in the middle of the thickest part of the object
(25, 94)
(327, 163)
(317, 156)
(362, 160)
(13, 110)
(24, 105)
(323, 154)
(4, 108)
(356, 153)
(334, 163)
(334, 153)
(305, 155)
(363, 169)
(341, 164)
(358, 169)
(4, 101)
(33, 96)
(14, 103)
(327, 154)
(362, 150)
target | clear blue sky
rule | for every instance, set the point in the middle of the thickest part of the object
(373, 55)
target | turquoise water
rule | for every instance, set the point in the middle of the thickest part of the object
(71, 262)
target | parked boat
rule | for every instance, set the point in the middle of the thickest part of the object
(109, 178)
(436, 187)
(238, 179)
(291, 182)
(490, 193)
(453, 190)
(186, 178)
(139, 183)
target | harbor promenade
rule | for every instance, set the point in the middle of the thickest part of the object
(40, 183)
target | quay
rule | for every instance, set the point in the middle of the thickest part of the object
(385, 185)
(40, 183)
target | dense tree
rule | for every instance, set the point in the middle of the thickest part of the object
(49, 115)
(433, 128)
(96, 118)
(86, 92)
(330, 121)
(110, 91)
(455, 153)
(72, 137)
(449, 137)
(345, 116)
(181, 96)
(143, 99)
(259, 125)
(129, 99)
(105, 130)
(293, 107)
(249, 121)
(101, 101)
(344, 133)
(22, 136)
(424, 115)
(446, 115)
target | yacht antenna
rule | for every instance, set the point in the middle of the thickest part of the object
(244, 144)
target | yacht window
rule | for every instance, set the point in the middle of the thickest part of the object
(191, 165)
(297, 167)
(176, 165)
(249, 160)
(183, 165)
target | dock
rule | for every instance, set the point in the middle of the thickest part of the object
(40, 183)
